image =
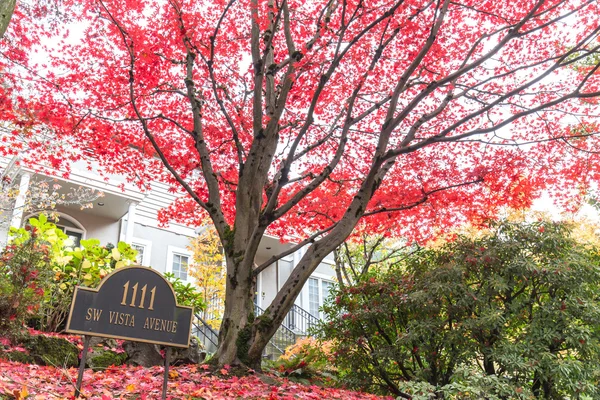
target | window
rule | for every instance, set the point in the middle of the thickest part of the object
(139, 258)
(74, 234)
(178, 260)
(318, 292)
(180, 266)
(313, 296)
(325, 288)
(143, 248)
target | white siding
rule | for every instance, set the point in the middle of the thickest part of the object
(157, 198)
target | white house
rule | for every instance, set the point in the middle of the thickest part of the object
(124, 213)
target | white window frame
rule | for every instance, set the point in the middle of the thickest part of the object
(147, 245)
(260, 294)
(305, 291)
(171, 251)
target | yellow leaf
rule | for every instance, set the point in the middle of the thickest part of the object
(87, 277)
(119, 264)
(24, 393)
(173, 374)
(115, 254)
(130, 388)
(63, 286)
(63, 260)
(86, 264)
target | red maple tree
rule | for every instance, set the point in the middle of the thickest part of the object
(313, 118)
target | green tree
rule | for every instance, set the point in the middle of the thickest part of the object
(517, 309)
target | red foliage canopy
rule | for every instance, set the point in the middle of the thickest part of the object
(458, 106)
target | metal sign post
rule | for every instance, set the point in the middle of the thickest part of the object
(86, 344)
(132, 303)
(166, 378)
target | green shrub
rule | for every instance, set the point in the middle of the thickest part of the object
(17, 356)
(39, 272)
(514, 314)
(186, 294)
(85, 265)
(101, 359)
(24, 272)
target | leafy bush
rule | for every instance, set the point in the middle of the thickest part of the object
(39, 272)
(306, 360)
(24, 271)
(186, 294)
(514, 314)
(85, 265)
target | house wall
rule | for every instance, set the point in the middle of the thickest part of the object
(326, 267)
(159, 240)
(4, 226)
(159, 197)
(104, 229)
(266, 287)
(274, 276)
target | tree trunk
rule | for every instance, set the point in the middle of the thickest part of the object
(243, 338)
(7, 7)
(238, 315)
(488, 364)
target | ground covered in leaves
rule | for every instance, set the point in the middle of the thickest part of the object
(27, 381)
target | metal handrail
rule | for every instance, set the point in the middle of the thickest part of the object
(283, 335)
(299, 320)
(259, 311)
(213, 334)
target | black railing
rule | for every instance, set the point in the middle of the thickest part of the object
(283, 336)
(299, 320)
(203, 330)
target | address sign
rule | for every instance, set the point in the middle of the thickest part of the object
(134, 303)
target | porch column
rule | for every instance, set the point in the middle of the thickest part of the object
(130, 223)
(17, 214)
